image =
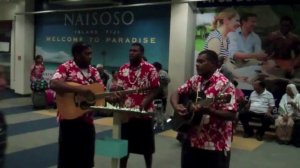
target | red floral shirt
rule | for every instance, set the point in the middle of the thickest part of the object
(144, 76)
(70, 72)
(213, 133)
(37, 72)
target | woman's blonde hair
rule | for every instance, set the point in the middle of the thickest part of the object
(227, 13)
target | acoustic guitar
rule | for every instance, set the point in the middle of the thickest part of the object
(182, 123)
(72, 105)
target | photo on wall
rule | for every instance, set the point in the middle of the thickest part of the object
(110, 32)
(258, 42)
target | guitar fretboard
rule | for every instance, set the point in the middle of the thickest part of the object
(103, 95)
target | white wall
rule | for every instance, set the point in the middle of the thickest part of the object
(7, 10)
(24, 47)
(181, 50)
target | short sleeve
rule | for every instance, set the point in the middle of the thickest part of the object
(188, 85)
(97, 78)
(154, 78)
(232, 46)
(60, 73)
(32, 67)
(257, 47)
(271, 100)
(232, 105)
(120, 82)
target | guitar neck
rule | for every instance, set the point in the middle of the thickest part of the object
(103, 95)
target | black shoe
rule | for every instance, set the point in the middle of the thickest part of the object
(247, 135)
(280, 141)
(259, 137)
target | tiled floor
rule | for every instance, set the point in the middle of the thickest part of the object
(32, 143)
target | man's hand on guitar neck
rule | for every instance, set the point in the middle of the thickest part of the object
(180, 109)
(117, 97)
(194, 107)
(83, 91)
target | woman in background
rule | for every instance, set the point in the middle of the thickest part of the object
(289, 109)
(2, 80)
(228, 20)
(37, 69)
(36, 76)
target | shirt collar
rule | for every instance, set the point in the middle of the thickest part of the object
(264, 92)
(214, 77)
(74, 63)
(239, 30)
(140, 65)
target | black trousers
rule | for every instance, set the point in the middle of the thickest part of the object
(200, 158)
(245, 117)
(76, 144)
(140, 135)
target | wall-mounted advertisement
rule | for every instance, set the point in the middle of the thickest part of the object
(261, 42)
(110, 33)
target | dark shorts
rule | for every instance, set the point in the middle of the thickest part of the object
(195, 157)
(140, 135)
(76, 144)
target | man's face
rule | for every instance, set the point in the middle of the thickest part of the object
(289, 92)
(250, 24)
(203, 66)
(135, 54)
(100, 69)
(285, 27)
(39, 61)
(259, 89)
(85, 57)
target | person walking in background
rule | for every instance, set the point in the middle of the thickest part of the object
(37, 69)
(138, 74)
(2, 80)
(289, 108)
(208, 141)
(36, 76)
(103, 74)
(76, 142)
(112, 82)
(164, 80)
(241, 102)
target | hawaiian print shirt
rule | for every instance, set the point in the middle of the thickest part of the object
(36, 72)
(70, 72)
(213, 133)
(144, 76)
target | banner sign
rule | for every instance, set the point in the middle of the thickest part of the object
(216, 3)
(110, 33)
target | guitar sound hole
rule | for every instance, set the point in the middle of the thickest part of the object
(90, 98)
(85, 105)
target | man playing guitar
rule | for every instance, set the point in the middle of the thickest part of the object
(208, 143)
(76, 136)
